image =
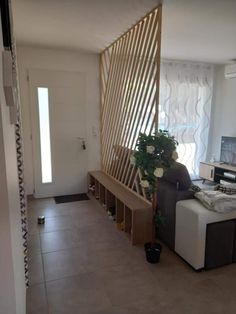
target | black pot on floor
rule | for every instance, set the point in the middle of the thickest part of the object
(153, 252)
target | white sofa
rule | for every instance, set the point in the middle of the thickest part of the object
(192, 219)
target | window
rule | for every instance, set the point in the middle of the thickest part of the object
(44, 129)
(185, 107)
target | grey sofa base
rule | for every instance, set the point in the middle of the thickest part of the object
(204, 238)
(220, 244)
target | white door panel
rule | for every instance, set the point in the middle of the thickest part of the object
(67, 128)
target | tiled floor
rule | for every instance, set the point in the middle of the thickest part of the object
(81, 264)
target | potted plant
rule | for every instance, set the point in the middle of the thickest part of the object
(153, 155)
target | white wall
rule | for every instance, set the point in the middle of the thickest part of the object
(223, 117)
(12, 284)
(52, 59)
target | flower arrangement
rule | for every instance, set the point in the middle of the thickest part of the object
(154, 154)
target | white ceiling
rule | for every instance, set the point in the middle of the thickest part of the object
(201, 30)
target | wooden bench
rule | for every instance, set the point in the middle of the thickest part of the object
(131, 210)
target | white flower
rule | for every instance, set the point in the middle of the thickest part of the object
(144, 183)
(175, 155)
(132, 160)
(158, 172)
(150, 149)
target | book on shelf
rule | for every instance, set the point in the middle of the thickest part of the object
(230, 175)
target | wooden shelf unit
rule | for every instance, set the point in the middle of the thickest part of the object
(131, 210)
(214, 171)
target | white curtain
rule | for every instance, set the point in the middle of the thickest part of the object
(185, 107)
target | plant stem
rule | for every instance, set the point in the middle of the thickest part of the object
(154, 206)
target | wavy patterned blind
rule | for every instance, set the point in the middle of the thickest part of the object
(185, 108)
(130, 70)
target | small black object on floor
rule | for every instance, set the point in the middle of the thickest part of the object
(71, 198)
(153, 252)
(41, 220)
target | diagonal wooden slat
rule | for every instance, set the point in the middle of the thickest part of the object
(123, 111)
(129, 80)
(117, 92)
(132, 100)
(146, 74)
(106, 109)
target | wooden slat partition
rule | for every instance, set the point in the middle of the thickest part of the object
(130, 70)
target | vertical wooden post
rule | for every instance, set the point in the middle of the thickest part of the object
(154, 206)
(158, 60)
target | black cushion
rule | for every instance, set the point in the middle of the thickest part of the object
(178, 175)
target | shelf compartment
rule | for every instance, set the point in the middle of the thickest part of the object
(91, 187)
(110, 199)
(119, 211)
(102, 194)
(96, 193)
(128, 220)
(222, 176)
(110, 202)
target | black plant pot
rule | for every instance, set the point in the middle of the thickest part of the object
(153, 252)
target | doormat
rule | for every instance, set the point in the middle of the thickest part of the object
(71, 198)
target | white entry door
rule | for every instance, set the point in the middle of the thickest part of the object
(58, 132)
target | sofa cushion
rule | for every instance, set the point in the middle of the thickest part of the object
(178, 175)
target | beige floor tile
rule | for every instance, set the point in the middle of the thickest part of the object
(33, 212)
(79, 294)
(51, 211)
(40, 202)
(33, 244)
(36, 274)
(57, 223)
(132, 289)
(36, 300)
(58, 240)
(63, 263)
(33, 227)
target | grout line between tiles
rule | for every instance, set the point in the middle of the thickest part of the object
(72, 248)
(44, 281)
(70, 276)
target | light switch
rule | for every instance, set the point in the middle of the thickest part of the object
(94, 131)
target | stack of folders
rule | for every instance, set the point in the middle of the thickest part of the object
(224, 182)
(230, 175)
